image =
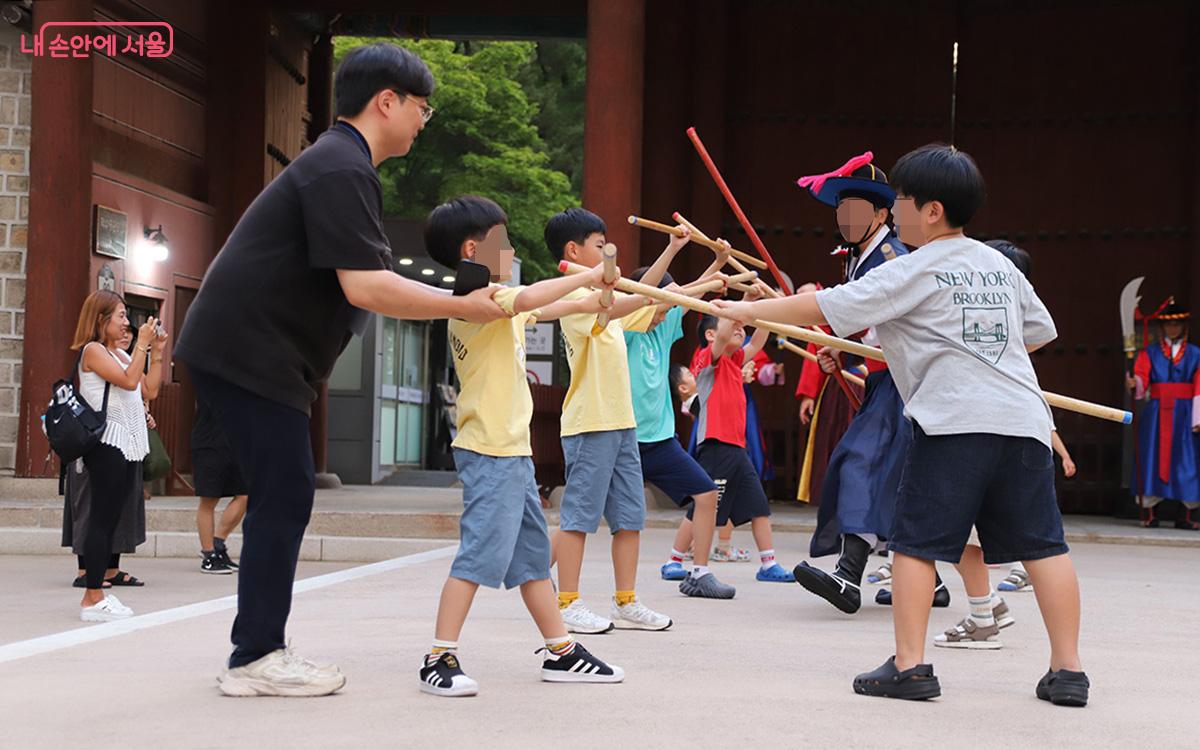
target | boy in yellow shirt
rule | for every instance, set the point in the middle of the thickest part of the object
(503, 531)
(599, 433)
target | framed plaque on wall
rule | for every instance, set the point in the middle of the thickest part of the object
(108, 232)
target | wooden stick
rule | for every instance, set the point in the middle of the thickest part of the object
(704, 240)
(694, 137)
(743, 288)
(851, 377)
(638, 221)
(743, 277)
(699, 290)
(606, 297)
(851, 396)
(853, 347)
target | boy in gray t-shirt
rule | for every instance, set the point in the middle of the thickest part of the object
(957, 321)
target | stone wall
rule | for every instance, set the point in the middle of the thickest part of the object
(16, 78)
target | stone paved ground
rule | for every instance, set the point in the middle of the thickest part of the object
(770, 669)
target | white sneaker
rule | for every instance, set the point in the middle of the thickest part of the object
(579, 619)
(280, 673)
(637, 616)
(106, 610)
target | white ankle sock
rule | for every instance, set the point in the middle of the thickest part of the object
(699, 571)
(981, 611)
(767, 558)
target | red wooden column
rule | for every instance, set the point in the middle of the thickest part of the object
(57, 275)
(612, 134)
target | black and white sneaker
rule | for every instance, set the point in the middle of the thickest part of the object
(441, 674)
(578, 665)
(213, 564)
(229, 563)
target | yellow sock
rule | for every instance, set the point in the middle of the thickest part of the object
(625, 597)
(559, 647)
(565, 598)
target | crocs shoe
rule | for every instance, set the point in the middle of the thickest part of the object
(1064, 688)
(706, 587)
(916, 684)
(673, 571)
(775, 574)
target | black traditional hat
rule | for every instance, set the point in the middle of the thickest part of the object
(857, 178)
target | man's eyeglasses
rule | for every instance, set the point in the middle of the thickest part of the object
(426, 110)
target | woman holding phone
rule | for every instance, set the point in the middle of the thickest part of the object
(116, 462)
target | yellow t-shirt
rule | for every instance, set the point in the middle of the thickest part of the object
(494, 405)
(599, 397)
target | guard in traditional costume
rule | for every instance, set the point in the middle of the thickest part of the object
(858, 495)
(1168, 374)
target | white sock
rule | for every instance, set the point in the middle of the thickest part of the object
(699, 571)
(676, 556)
(981, 611)
(994, 598)
(767, 557)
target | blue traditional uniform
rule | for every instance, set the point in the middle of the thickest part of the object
(861, 482)
(1168, 374)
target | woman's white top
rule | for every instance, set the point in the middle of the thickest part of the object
(126, 427)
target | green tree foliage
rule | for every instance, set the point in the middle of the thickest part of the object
(495, 104)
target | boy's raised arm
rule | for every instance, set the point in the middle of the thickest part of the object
(545, 292)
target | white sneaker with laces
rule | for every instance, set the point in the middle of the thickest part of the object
(282, 673)
(637, 616)
(106, 610)
(579, 619)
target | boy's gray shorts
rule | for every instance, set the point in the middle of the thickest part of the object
(503, 530)
(604, 478)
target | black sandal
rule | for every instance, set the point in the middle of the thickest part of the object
(81, 583)
(124, 579)
(916, 684)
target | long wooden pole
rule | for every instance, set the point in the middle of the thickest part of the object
(694, 137)
(656, 226)
(851, 396)
(853, 347)
(850, 377)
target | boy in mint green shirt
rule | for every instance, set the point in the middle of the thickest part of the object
(664, 462)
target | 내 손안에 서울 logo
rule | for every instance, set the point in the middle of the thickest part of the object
(79, 39)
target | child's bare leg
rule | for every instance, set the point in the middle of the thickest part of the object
(625, 547)
(543, 607)
(683, 537)
(1057, 590)
(726, 534)
(703, 526)
(232, 516)
(760, 527)
(204, 521)
(974, 572)
(912, 592)
(455, 603)
(568, 551)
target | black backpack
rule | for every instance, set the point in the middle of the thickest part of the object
(71, 425)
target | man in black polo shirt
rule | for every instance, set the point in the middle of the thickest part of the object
(296, 279)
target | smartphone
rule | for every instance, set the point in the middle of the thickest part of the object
(470, 276)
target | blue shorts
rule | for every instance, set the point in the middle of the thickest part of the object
(604, 478)
(1003, 485)
(668, 467)
(503, 530)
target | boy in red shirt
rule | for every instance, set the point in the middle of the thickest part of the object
(722, 436)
